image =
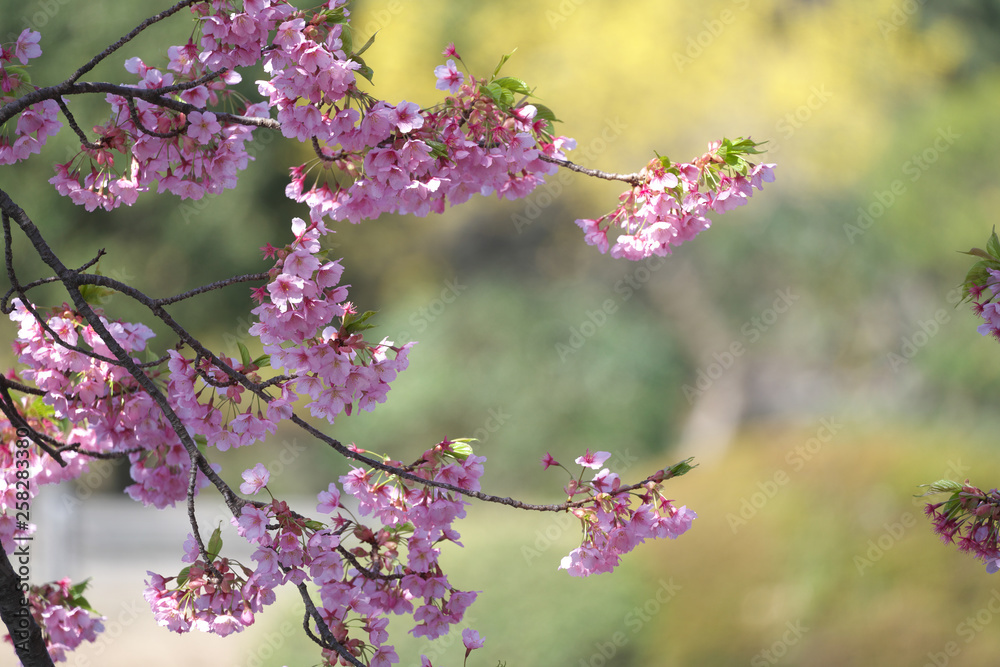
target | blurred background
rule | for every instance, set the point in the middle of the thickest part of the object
(807, 350)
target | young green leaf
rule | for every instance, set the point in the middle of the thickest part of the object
(993, 245)
(503, 61)
(513, 84)
(245, 357)
(371, 40)
(215, 544)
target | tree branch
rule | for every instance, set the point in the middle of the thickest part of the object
(131, 35)
(15, 612)
(634, 179)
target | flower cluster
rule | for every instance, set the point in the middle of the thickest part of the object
(670, 203)
(408, 160)
(970, 515)
(188, 154)
(107, 409)
(39, 121)
(64, 616)
(616, 519)
(982, 285)
(334, 365)
(364, 572)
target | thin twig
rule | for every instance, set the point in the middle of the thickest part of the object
(134, 114)
(73, 125)
(131, 35)
(634, 179)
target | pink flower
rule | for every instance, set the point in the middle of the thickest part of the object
(383, 657)
(27, 46)
(595, 460)
(448, 77)
(203, 126)
(408, 117)
(329, 500)
(472, 640)
(252, 523)
(255, 479)
(547, 461)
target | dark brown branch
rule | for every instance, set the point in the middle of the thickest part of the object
(328, 640)
(368, 574)
(17, 420)
(73, 125)
(15, 612)
(134, 114)
(69, 279)
(154, 96)
(250, 277)
(23, 388)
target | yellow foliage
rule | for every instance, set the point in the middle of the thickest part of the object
(822, 81)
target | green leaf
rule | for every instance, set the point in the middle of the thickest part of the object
(513, 84)
(334, 16)
(95, 295)
(503, 61)
(183, 575)
(262, 361)
(245, 358)
(347, 39)
(215, 543)
(365, 70)
(79, 588)
(314, 525)
(83, 603)
(462, 448)
(945, 486)
(371, 40)
(491, 91)
(438, 148)
(993, 245)
(681, 468)
(355, 323)
(546, 113)
(977, 252)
